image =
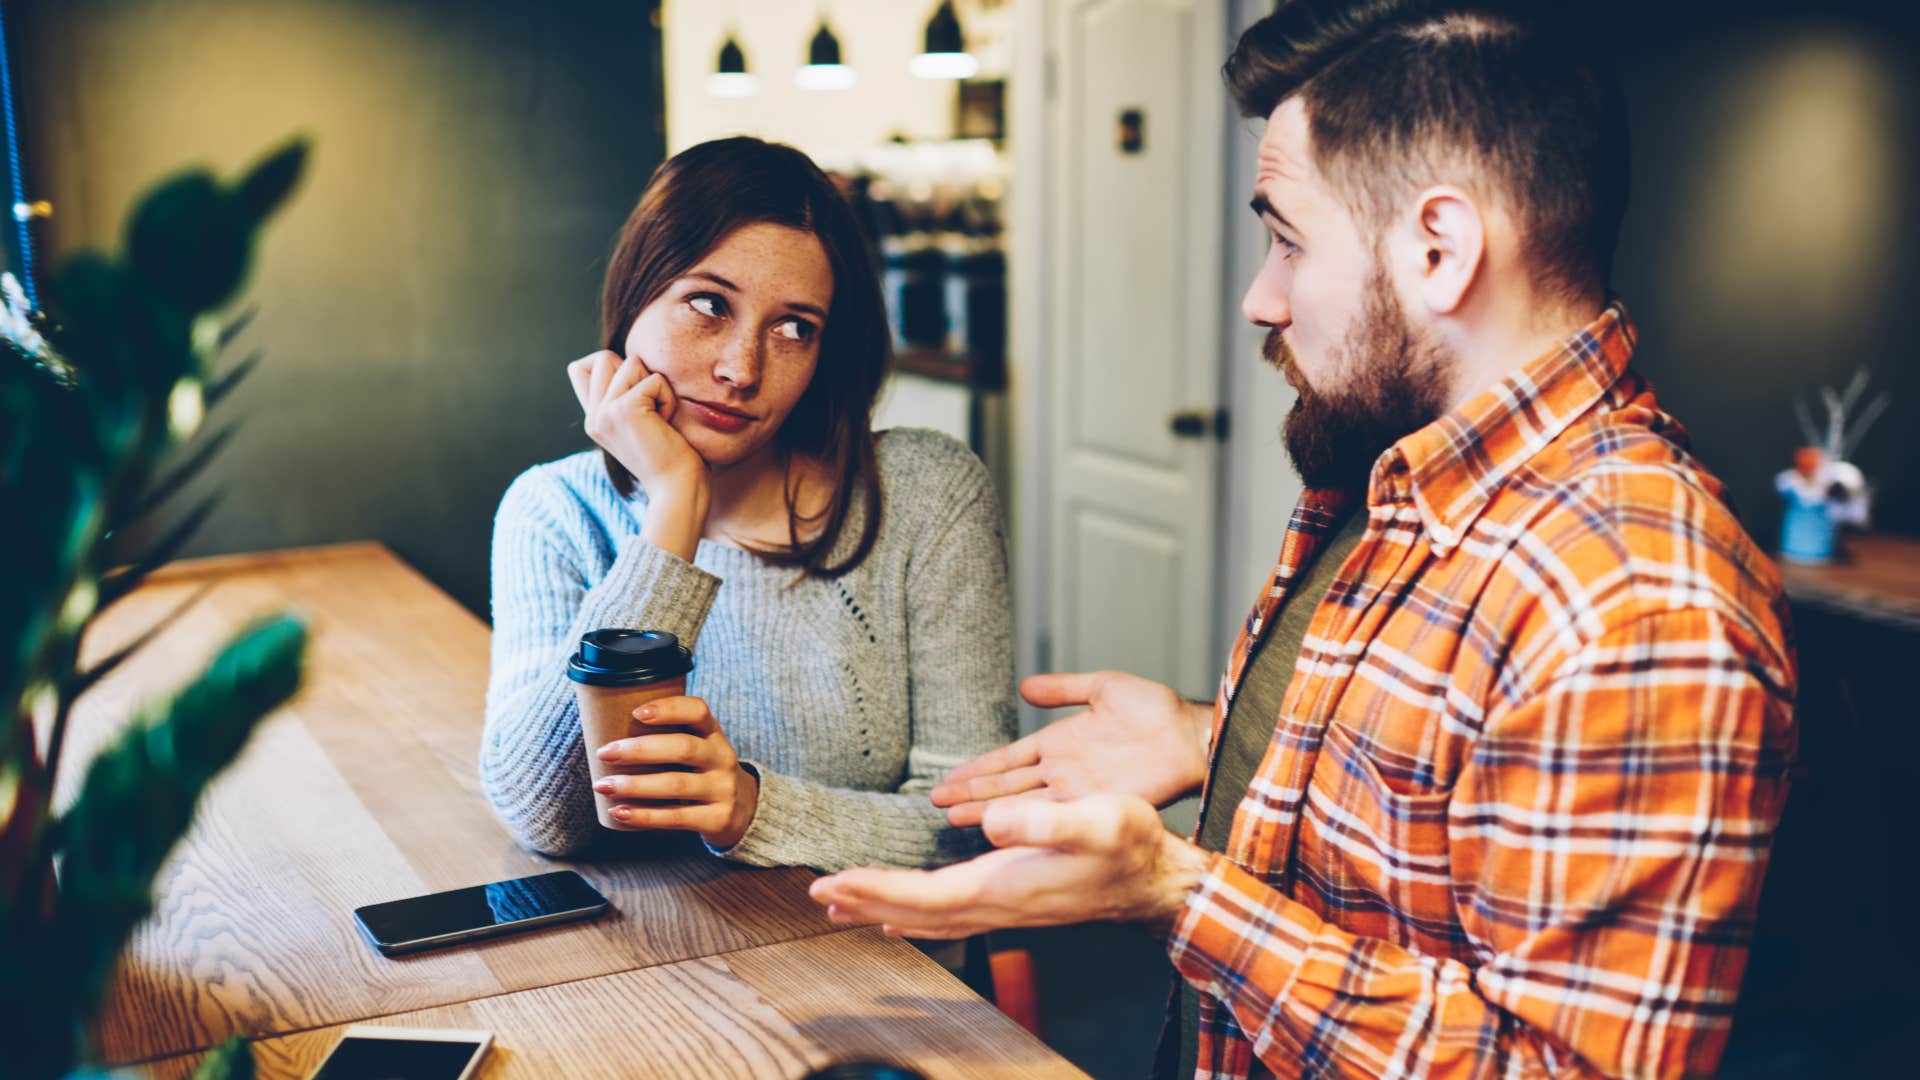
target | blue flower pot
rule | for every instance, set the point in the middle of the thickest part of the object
(1807, 533)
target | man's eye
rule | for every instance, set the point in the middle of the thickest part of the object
(706, 304)
(795, 329)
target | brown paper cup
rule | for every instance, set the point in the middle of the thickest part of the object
(615, 671)
(606, 714)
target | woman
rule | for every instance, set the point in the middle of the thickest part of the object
(844, 593)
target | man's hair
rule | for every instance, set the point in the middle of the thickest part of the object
(1492, 96)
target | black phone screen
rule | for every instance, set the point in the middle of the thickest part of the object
(396, 1059)
(478, 907)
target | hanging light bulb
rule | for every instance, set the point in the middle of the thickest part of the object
(730, 78)
(823, 69)
(946, 55)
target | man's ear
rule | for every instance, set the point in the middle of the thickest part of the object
(1446, 248)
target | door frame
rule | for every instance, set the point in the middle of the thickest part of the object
(1029, 328)
(1032, 252)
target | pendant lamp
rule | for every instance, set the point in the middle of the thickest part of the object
(945, 55)
(823, 69)
(730, 78)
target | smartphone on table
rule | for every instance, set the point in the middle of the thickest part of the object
(371, 1052)
(481, 911)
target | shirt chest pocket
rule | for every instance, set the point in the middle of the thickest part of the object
(1373, 848)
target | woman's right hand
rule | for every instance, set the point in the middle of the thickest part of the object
(629, 413)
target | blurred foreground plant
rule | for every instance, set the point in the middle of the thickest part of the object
(100, 399)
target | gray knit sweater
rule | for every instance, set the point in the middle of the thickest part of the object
(849, 698)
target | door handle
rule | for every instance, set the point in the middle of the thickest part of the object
(1199, 423)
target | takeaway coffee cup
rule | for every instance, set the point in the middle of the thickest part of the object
(615, 672)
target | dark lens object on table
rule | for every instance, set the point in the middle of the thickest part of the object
(866, 1070)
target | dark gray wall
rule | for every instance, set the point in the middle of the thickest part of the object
(422, 293)
(1773, 242)
(473, 160)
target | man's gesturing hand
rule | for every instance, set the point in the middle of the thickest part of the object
(1104, 857)
(1137, 738)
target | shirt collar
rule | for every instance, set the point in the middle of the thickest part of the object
(1451, 468)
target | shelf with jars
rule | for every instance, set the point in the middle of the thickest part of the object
(934, 212)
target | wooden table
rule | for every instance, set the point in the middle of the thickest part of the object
(775, 1011)
(1876, 578)
(364, 789)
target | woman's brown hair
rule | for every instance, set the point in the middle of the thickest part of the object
(694, 201)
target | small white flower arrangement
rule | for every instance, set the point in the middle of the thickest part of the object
(16, 318)
(19, 326)
(1824, 489)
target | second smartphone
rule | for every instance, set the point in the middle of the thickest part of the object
(481, 911)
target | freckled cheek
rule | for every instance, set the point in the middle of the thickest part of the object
(669, 351)
(785, 385)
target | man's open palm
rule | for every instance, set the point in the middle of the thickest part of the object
(1137, 737)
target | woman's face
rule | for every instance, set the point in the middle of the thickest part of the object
(738, 338)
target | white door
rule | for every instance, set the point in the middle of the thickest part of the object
(1136, 119)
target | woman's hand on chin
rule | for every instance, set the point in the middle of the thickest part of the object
(706, 790)
(629, 413)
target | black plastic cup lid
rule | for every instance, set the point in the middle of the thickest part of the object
(617, 657)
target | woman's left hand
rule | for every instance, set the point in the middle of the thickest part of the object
(708, 792)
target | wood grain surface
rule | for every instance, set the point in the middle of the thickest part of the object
(363, 789)
(775, 1012)
(1877, 577)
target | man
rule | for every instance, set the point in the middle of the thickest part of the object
(1494, 769)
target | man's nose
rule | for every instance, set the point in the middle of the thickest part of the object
(1265, 303)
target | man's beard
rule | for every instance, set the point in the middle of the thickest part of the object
(1393, 382)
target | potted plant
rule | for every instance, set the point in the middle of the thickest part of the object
(101, 399)
(1825, 489)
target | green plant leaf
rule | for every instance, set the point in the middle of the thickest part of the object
(90, 295)
(191, 238)
(161, 331)
(271, 181)
(139, 797)
(190, 242)
(79, 450)
(22, 807)
(52, 487)
(231, 1060)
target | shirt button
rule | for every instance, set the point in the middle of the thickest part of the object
(1443, 536)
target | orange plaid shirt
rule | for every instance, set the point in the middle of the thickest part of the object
(1523, 784)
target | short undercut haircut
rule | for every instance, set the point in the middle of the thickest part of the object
(1498, 98)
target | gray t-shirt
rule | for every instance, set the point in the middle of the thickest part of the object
(1244, 738)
